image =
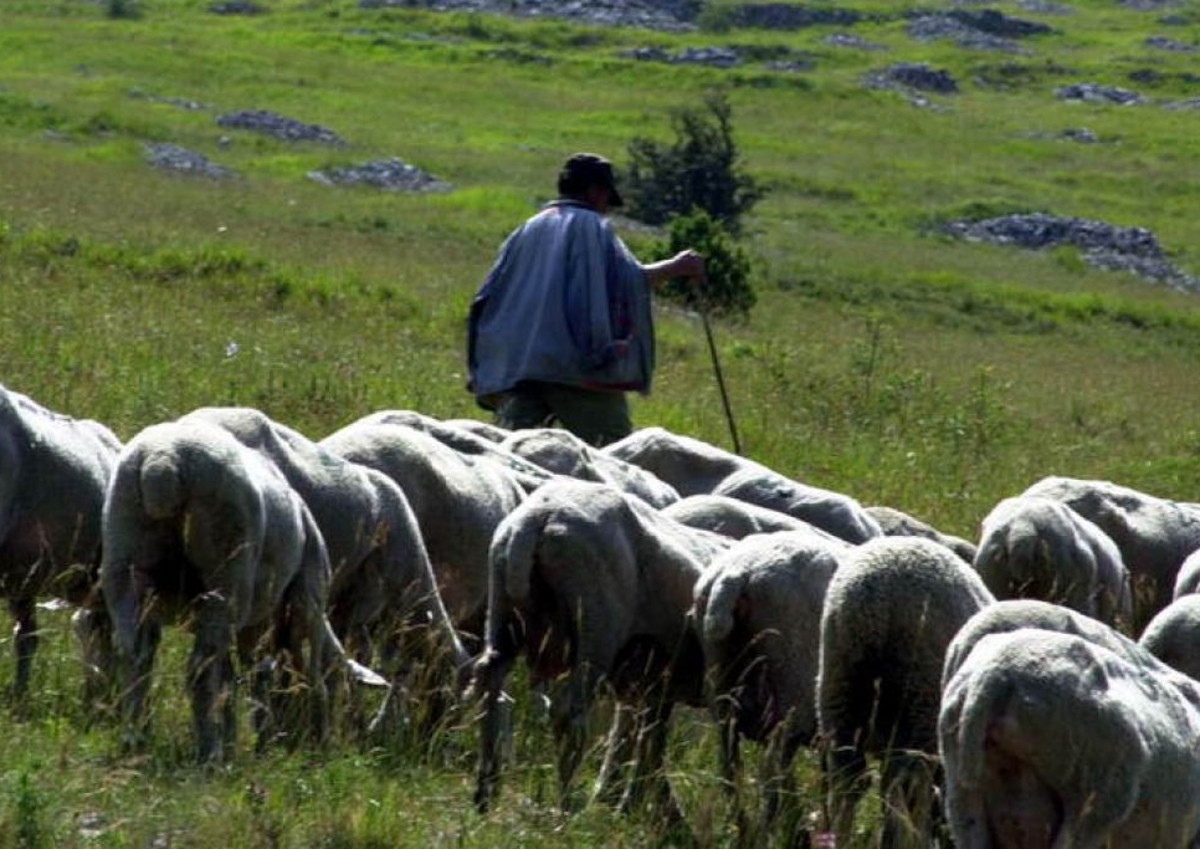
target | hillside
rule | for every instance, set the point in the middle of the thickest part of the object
(975, 265)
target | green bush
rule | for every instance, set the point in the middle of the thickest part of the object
(700, 170)
(726, 290)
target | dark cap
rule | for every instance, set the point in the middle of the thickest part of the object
(587, 169)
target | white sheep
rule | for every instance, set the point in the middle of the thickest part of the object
(382, 593)
(1154, 535)
(594, 586)
(467, 440)
(198, 528)
(758, 612)
(53, 474)
(891, 610)
(733, 517)
(1188, 579)
(458, 501)
(896, 523)
(692, 467)
(1173, 636)
(1011, 614)
(1037, 547)
(562, 453)
(1052, 740)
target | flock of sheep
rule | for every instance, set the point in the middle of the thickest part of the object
(422, 558)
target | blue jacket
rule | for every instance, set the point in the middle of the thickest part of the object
(566, 302)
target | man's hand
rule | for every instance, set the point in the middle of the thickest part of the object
(687, 264)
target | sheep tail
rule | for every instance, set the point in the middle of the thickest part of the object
(720, 615)
(514, 555)
(161, 486)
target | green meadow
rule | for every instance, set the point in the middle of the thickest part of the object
(883, 359)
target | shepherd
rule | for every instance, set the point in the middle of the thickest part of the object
(562, 327)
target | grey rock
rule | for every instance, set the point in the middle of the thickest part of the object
(844, 39)
(1163, 43)
(394, 175)
(914, 75)
(174, 158)
(789, 16)
(936, 26)
(1135, 250)
(273, 124)
(1098, 93)
(669, 15)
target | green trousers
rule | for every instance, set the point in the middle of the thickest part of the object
(598, 417)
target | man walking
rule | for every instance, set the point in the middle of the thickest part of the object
(562, 328)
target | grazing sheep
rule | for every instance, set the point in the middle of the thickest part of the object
(198, 528)
(1011, 614)
(1051, 740)
(1038, 548)
(896, 523)
(890, 612)
(1154, 535)
(382, 592)
(468, 442)
(733, 517)
(53, 474)
(758, 612)
(594, 586)
(1188, 579)
(563, 453)
(458, 501)
(693, 467)
(1173, 636)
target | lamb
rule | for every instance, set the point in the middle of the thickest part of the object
(594, 586)
(758, 612)
(199, 528)
(55, 472)
(890, 612)
(896, 523)
(563, 453)
(458, 501)
(1154, 535)
(693, 467)
(1051, 740)
(1173, 636)
(382, 591)
(1036, 547)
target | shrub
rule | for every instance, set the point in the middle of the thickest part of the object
(726, 290)
(700, 170)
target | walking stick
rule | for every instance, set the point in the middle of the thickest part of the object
(712, 350)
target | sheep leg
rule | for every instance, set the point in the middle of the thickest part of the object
(907, 796)
(779, 789)
(490, 673)
(25, 642)
(93, 630)
(210, 677)
(618, 752)
(845, 781)
(648, 781)
(569, 715)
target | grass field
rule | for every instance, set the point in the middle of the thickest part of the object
(882, 360)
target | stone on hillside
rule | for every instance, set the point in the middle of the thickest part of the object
(237, 7)
(182, 161)
(669, 15)
(930, 27)
(915, 75)
(1045, 7)
(288, 129)
(997, 23)
(1135, 250)
(1163, 43)
(394, 175)
(789, 16)
(1097, 93)
(845, 39)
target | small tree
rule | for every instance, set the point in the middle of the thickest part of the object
(726, 290)
(700, 170)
